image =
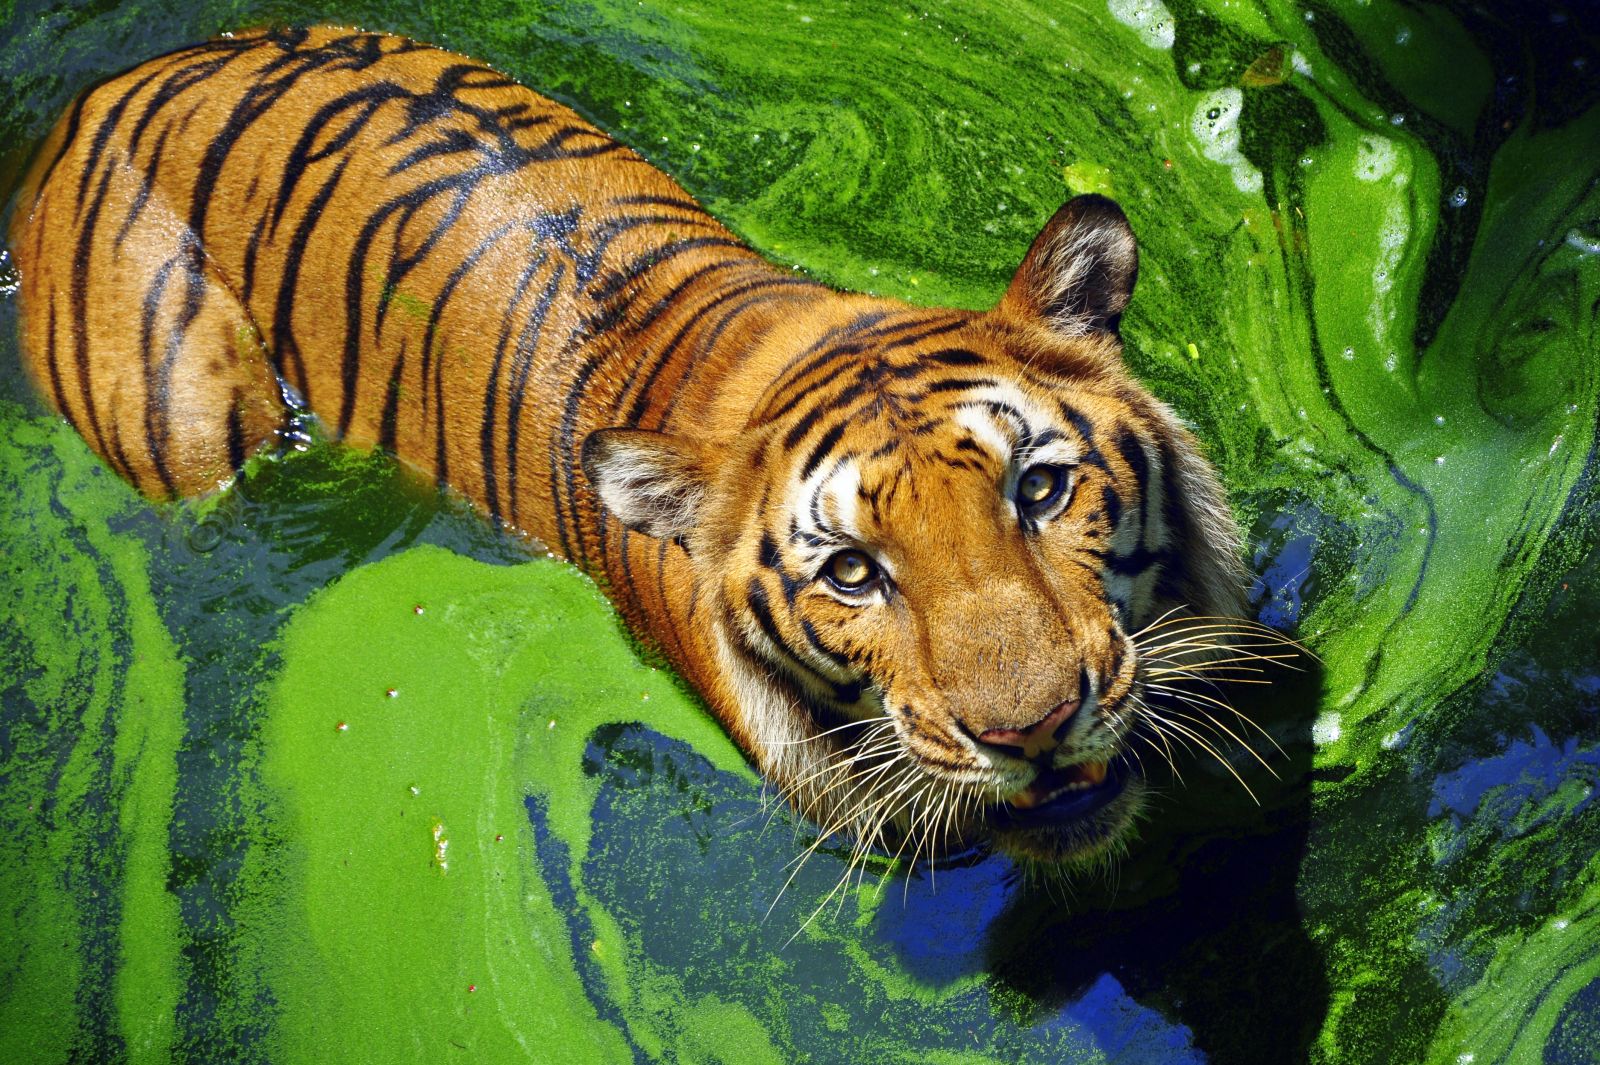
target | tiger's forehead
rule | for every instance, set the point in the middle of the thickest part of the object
(895, 408)
(873, 465)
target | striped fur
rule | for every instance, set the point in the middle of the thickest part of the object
(434, 260)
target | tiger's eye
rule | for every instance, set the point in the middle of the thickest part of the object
(1039, 485)
(850, 570)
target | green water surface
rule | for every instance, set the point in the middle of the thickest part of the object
(326, 770)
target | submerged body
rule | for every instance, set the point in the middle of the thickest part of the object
(903, 553)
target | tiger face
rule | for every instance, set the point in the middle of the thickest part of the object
(926, 559)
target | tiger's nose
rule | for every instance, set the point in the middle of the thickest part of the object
(1038, 738)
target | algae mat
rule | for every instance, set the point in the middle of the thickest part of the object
(326, 770)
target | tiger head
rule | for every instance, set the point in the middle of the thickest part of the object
(926, 559)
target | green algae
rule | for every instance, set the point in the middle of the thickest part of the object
(88, 771)
(1368, 278)
(409, 881)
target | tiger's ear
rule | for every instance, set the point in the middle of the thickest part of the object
(1079, 272)
(653, 482)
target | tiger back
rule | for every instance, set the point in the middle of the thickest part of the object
(903, 553)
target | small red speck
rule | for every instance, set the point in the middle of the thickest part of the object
(342, 726)
(417, 609)
(1167, 163)
(1563, 586)
(498, 838)
(391, 692)
(471, 988)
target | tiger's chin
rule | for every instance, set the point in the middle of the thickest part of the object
(1066, 822)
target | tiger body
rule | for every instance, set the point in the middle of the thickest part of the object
(435, 260)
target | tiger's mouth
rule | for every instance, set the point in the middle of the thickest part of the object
(1064, 795)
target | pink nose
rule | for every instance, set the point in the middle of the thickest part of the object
(1041, 736)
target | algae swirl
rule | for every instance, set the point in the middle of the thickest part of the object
(326, 770)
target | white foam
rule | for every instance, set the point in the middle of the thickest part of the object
(1392, 238)
(1585, 244)
(1150, 19)
(1215, 124)
(1376, 158)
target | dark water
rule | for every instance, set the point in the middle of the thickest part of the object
(1371, 244)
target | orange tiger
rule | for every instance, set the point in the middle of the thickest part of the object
(905, 554)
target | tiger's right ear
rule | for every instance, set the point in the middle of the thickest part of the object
(1079, 272)
(653, 482)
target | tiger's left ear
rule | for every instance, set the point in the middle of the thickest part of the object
(653, 482)
(1078, 275)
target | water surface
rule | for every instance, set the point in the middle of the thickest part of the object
(311, 772)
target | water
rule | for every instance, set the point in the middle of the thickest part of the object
(525, 853)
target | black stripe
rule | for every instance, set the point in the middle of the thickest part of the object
(102, 137)
(302, 154)
(1111, 503)
(771, 558)
(655, 257)
(401, 263)
(552, 149)
(118, 458)
(789, 375)
(156, 399)
(798, 431)
(563, 456)
(284, 342)
(522, 367)
(387, 421)
(824, 447)
(1135, 562)
(251, 249)
(957, 384)
(436, 314)
(50, 359)
(399, 266)
(801, 385)
(827, 652)
(1001, 409)
(486, 441)
(80, 306)
(68, 139)
(954, 357)
(235, 433)
(762, 609)
(792, 383)
(709, 342)
(145, 187)
(661, 590)
(181, 78)
(616, 225)
(449, 142)
(1085, 429)
(688, 282)
(681, 202)
(660, 363)
(1033, 442)
(1133, 454)
(257, 100)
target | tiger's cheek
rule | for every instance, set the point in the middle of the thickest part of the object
(869, 640)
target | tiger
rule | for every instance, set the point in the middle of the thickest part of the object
(930, 569)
